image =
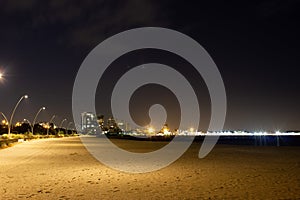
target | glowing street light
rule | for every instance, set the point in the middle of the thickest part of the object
(13, 112)
(30, 124)
(2, 76)
(61, 123)
(26, 120)
(5, 121)
(34, 120)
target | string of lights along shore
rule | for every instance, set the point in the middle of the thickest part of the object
(91, 122)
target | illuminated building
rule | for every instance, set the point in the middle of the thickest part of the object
(89, 123)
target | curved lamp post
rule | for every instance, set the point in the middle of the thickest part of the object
(30, 124)
(61, 123)
(34, 120)
(70, 123)
(4, 116)
(13, 112)
(49, 124)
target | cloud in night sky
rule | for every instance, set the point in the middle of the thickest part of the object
(88, 22)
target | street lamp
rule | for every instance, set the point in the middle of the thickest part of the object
(30, 124)
(6, 121)
(13, 112)
(4, 116)
(26, 120)
(33, 123)
(70, 123)
(49, 124)
(61, 123)
(2, 76)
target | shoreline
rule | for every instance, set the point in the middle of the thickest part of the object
(270, 140)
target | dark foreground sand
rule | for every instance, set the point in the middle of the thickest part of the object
(63, 169)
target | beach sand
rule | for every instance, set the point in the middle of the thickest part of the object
(64, 169)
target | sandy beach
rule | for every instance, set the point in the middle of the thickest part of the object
(64, 169)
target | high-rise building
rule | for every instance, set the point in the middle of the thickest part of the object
(89, 124)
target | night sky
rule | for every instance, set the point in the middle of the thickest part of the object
(255, 45)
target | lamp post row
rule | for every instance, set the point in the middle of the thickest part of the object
(9, 122)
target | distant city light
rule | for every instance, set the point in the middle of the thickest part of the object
(165, 131)
(236, 133)
(151, 130)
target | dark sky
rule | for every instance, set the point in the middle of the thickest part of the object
(255, 45)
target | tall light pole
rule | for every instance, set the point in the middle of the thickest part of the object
(61, 123)
(49, 124)
(13, 112)
(33, 123)
(30, 124)
(4, 116)
(70, 123)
